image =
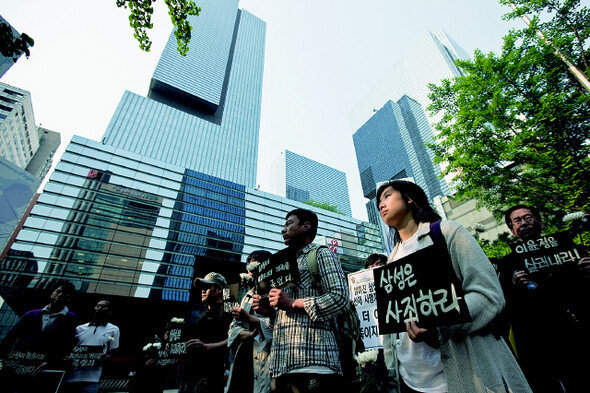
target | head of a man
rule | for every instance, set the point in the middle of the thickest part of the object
(102, 310)
(211, 286)
(300, 228)
(524, 222)
(375, 260)
(61, 295)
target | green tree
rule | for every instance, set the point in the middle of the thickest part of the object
(140, 19)
(11, 46)
(516, 126)
(323, 205)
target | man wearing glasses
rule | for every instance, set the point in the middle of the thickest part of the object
(541, 306)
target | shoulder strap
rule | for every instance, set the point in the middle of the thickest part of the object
(312, 265)
(436, 234)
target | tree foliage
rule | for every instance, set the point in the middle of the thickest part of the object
(323, 205)
(516, 126)
(11, 46)
(140, 19)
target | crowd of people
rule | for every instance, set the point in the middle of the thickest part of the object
(524, 333)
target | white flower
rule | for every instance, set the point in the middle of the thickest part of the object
(177, 320)
(573, 216)
(152, 345)
(367, 356)
(111, 339)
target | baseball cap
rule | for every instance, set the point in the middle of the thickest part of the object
(212, 278)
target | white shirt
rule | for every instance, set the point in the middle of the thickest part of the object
(91, 335)
(420, 365)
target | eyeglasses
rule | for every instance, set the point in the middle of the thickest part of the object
(528, 218)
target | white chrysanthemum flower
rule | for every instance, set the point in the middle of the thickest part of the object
(573, 216)
(177, 320)
(367, 356)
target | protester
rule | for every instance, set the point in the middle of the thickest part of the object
(99, 334)
(207, 351)
(304, 351)
(250, 338)
(469, 357)
(375, 260)
(48, 332)
(539, 306)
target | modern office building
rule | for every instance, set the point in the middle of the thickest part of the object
(302, 179)
(203, 110)
(392, 144)
(138, 230)
(18, 133)
(429, 60)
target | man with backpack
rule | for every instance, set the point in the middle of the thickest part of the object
(305, 355)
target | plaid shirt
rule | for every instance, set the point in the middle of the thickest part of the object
(303, 340)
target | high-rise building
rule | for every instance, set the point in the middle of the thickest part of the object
(202, 110)
(392, 144)
(22, 142)
(429, 60)
(18, 132)
(302, 179)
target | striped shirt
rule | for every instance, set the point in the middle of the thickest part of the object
(304, 340)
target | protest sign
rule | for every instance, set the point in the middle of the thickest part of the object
(420, 287)
(23, 362)
(174, 347)
(548, 254)
(279, 271)
(86, 355)
(364, 298)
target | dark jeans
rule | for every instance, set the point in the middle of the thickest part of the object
(308, 383)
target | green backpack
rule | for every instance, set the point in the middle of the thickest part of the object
(348, 325)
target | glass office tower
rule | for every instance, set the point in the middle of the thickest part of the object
(303, 179)
(203, 110)
(139, 230)
(393, 145)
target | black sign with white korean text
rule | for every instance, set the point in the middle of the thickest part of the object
(548, 254)
(279, 271)
(23, 362)
(420, 287)
(86, 355)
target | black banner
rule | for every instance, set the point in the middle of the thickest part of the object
(23, 362)
(420, 287)
(277, 272)
(548, 254)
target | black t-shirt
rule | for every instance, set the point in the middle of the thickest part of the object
(211, 327)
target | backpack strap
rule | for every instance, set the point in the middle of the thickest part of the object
(436, 234)
(312, 266)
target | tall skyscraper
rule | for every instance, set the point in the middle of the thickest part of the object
(430, 60)
(392, 145)
(7, 61)
(18, 132)
(202, 110)
(302, 179)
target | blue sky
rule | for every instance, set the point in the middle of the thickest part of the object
(322, 56)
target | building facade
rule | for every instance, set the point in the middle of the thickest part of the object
(393, 144)
(138, 230)
(203, 110)
(302, 179)
(429, 60)
(18, 132)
